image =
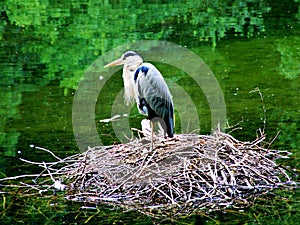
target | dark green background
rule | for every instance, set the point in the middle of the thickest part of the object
(46, 45)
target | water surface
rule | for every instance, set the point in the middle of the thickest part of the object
(46, 47)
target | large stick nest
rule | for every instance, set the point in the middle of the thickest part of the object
(186, 174)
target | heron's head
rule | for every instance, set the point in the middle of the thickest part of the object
(129, 59)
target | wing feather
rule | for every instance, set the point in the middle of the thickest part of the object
(152, 87)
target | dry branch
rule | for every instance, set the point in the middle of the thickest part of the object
(183, 175)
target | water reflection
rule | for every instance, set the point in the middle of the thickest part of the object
(8, 111)
(47, 45)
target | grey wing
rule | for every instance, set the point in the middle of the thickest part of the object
(153, 88)
(153, 85)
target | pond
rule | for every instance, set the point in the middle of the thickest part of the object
(47, 47)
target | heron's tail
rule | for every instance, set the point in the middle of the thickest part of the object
(169, 121)
(170, 127)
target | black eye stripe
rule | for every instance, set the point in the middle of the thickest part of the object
(127, 54)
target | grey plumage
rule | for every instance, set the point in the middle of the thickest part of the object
(152, 87)
(145, 84)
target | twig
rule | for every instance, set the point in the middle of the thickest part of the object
(183, 175)
(263, 107)
(46, 150)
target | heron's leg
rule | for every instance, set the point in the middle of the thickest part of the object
(152, 134)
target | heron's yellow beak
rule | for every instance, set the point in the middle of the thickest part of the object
(114, 63)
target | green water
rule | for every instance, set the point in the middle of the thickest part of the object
(46, 46)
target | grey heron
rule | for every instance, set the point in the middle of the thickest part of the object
(145, 84)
